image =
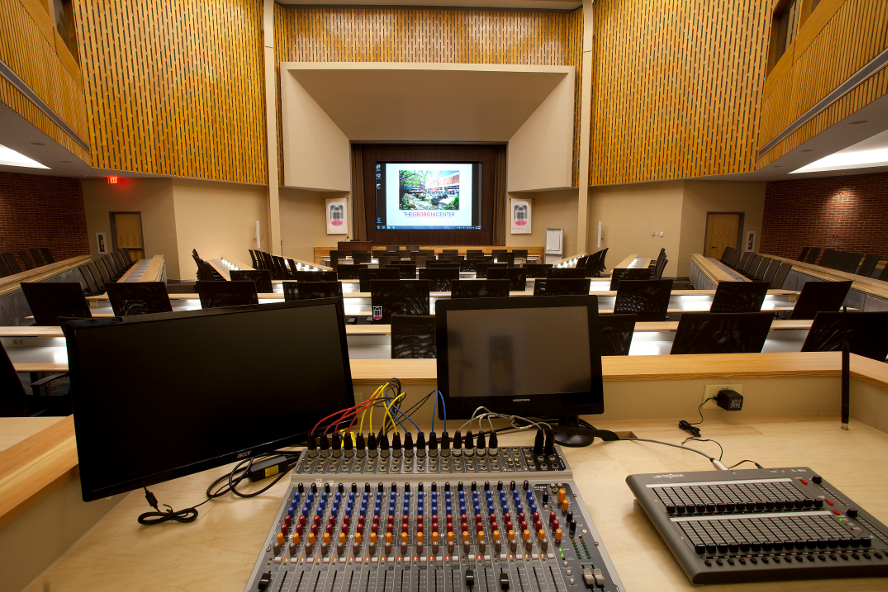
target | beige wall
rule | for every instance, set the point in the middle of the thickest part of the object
(551, 209)
(153, 198)
(303, 223)
(218, 220)
(702, 197)
(630, 214)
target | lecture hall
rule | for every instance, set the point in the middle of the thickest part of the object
(606, 281)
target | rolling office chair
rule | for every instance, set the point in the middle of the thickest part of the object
(262, 277)
(18, 399)
(616, 333)
(138, 298)
(631, 273)
(460, 288)
(92, 288)
(762, 269)
(388, 297)
(649, 299)
(739, 297)
(224, 294)
(722, 333)
(50, 300)
(866, 333)
(561, 287)
(517, 277)
(819, 297)
(413, 336)
(780, 276)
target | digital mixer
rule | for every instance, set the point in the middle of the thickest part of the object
(762, 525)
(432, 515)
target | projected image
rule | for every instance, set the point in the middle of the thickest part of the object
(428, 190)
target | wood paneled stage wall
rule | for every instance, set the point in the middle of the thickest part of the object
(430, 35)
(175, 87)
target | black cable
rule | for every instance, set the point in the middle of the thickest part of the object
(689, 427)
(711, 458)
(707, 440)
(746, 461)
(158, 516)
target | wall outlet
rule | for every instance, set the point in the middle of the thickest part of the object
(711, 390)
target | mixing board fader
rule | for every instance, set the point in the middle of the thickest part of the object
(394, 523)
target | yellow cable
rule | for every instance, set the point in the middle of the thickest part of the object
(394, 424)
(372, 398)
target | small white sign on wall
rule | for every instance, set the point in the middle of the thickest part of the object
(521, 215)
(337, 221)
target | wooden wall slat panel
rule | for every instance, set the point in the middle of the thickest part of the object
(831, 46)
(676, 88)
(429, 35)
(175, 87)
(29, 48)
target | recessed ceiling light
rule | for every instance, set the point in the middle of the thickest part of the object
(857, 122)
(10, 157)
(38, 144)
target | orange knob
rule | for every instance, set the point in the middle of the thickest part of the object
(541, 535)
(357, 538)
(295, 538)
(558, 535)
(388, 538)
(526, 535)
(403, 538)
(418, 537)
(341, 538)
(496, 536)
(450, 537)
(280, 538)
(311, 539)
(511, 536)
(465, 536)
(326, 538)
(434, 537)
(561, 495)
(480, 536)
(372, 538)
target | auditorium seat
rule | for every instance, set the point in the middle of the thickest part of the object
(224, 294)
(517, 277)
(138, 298)
(92, 288)
(752, 265)
(631, 273)
(811, 257)
(826, 260)
(819, 296)
(601, 265)
(406, 269)
(649, 299)
(335, 256)
(26, 259)
(744, 259)
(16, 401)
(773, 266)
(97, 275)
(739, 297)
(507, 258)
(38, 257)
(50, 300)
(868, 266)
(884, 275)
(520, 254)
(481, 268)
(804, 254)
(762, 269)
(721, 333)
(865, 331)
(616, 333)
(262, 277)
(4, 269)
(254, 259)
(361, 256)
(780, 276)
(47, 256)
(561, 286)
(479, 288)
(413, 336)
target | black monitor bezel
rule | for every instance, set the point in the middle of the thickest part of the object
(536, 405)
(89, 485)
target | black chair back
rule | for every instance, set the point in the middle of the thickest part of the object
(868, 266)
(479, 289)
(11, 263)
(4, 270)
(762, 268)
(593, 264)
(351, 271)
(507, 258)
(601, 266)
(866, 333)
(567, 272)
(481, 267)
(316, 276)
(91, 287)
(38, 257)
(649, 299)
(335, 256)
(262, 277)
(97, 275)
(450, 251)
(616, 333)
(739, 297)
(361, 256)
(811, 257)
(413, 336)
(773, 266)
(388, 297)
(406, 269)
(440, 278)
(561, 287)
(884, 275)
(538, 270)
(365, 276)
(632, 273)
(50, 300)
(118, 258)
(726, 254)
(443, 263)
(826, 260)
(26, 259)
(804, 254)
(254, 259)
(744, 259)
(780, 276)
(819, 296)
(47, 256)
(752, 264)
(849, 262)
(13, 398)
(137, 298)
(517, 277)
(722, 333)
(520, 253)
(224, 294)
(312, 290)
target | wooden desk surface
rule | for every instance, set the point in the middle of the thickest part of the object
(715, 270)
(218, 550)
(860, 283)
(12, 282)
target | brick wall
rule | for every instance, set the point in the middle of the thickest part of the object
(41, 211)
(844, 213)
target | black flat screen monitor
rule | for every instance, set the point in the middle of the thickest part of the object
(526, 356)
(157, 397)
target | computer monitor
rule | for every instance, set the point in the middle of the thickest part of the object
(156, 397)
(524, 356)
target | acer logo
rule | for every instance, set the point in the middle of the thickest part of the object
(244, 454)
(669, 476)
(520, 400)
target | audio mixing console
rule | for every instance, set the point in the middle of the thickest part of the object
(432, 516)
(762, 525)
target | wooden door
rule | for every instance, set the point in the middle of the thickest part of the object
(128, 233)
(722, 231)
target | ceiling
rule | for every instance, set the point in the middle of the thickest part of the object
(396, 104)
(522, 4)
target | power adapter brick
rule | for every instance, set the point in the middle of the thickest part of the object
(729, 400)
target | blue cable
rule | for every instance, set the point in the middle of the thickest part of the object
(395, 417)
(398, 409)
(434, 413)
(443, 406)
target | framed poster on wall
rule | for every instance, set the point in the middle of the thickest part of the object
(521, 215)
(337, 221)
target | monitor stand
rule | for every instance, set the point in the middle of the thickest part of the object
(569, 433)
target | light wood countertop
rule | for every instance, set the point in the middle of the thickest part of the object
(860, 283)
(12, 282)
